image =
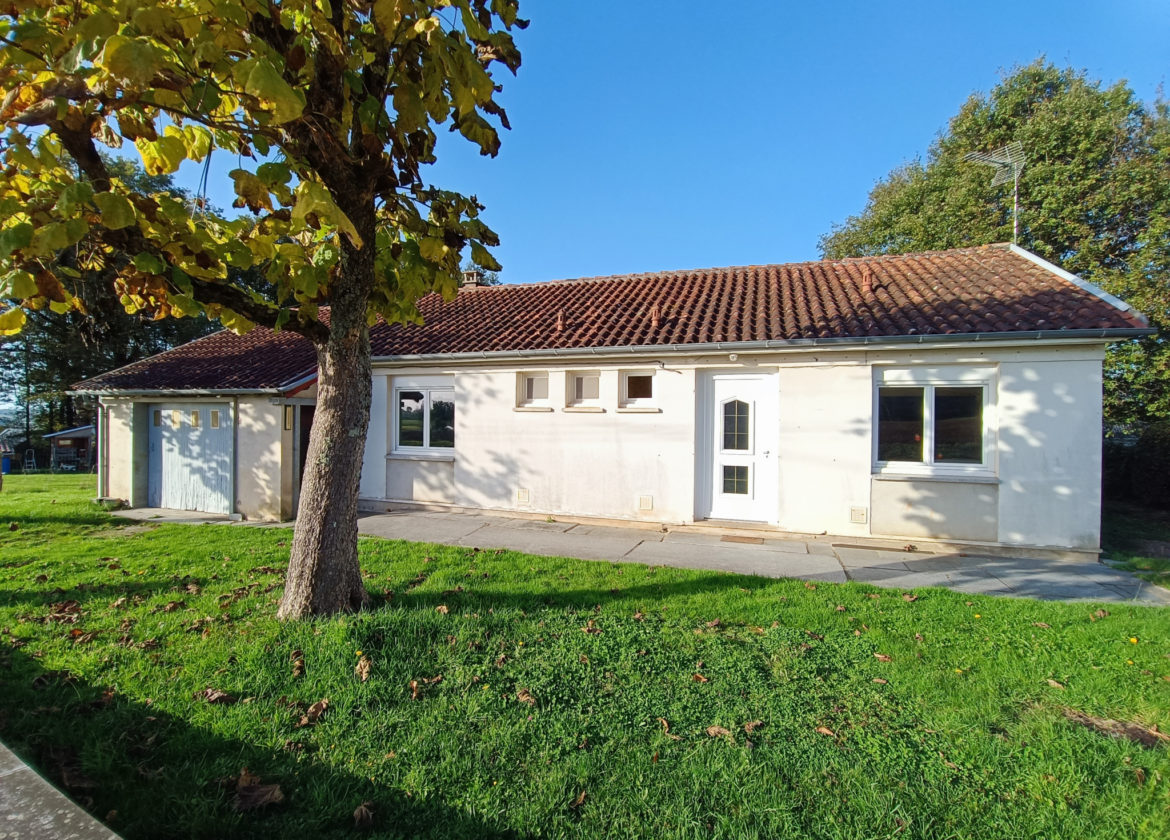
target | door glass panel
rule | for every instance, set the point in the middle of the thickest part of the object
(443, 418)
(410, 418)
(735, 425)
(735, 480)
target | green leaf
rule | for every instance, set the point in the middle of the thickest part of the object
(262, 80)
(161, 156)
(432, 249)
(312, 197)
(59, 235)
(14, 238)
(117, 211)
(11, 321)
(482, 257)
(18, 284)
(132, 60)
(149, 263)
(251, 190)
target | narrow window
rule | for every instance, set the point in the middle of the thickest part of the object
(586, 388)
(195, 419)
(289, 417)
(735, 480)
(411, 410)
(735, 425)
(176, 418)
(214, 418)
(900, 424)
(958, 425)
(157, 418)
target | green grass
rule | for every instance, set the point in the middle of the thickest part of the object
(965, 738)
(1127, 530)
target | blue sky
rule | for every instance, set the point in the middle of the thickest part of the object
(660, 135)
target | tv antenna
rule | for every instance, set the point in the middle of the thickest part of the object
(1008, 163)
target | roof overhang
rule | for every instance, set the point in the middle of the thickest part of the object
(781, 345)
(287, 389)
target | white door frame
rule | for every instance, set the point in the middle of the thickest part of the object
(760, 389)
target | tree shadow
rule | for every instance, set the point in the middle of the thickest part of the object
(149, 774)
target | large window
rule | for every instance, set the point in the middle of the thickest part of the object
(425, 420)
(932, 426)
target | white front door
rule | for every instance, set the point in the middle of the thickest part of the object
(742, 432)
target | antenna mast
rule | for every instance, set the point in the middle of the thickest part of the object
(1008, 163)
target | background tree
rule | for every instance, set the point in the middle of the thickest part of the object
(1094, 199)
(333, 106)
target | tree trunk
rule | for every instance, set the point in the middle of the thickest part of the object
(324, 576)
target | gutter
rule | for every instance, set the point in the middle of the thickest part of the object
(194, 392)
(845, 343)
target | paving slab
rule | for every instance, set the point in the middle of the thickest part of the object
(415, 528)
(740, 543)
(31, 808)
(765, 563)
(558, 544)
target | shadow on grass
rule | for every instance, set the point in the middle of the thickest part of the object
(152, 775)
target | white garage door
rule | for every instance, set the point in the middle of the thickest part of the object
(191, 456)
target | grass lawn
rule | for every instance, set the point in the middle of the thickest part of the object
(1130, 534)
(518, 696)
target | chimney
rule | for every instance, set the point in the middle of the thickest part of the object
(471, 277)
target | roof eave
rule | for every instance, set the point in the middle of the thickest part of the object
(1102, 334)
(1080, 282)
(176, 392)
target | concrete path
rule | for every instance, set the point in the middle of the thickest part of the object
(31, 808)
(763, 553)
(772, 556)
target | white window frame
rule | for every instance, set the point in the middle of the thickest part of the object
(626, 401)
(571, 400)
(427, 389)
(533, 377)
(930, 379)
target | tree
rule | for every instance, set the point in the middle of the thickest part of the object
(64, 348)
(334, 105)
(1094, 198)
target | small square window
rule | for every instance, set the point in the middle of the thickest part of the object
(735, 480)
(195, 419)
(584, 388)
(533, 389)
(214, 418)
(637, 388)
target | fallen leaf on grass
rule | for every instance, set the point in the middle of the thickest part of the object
(215, 696)
(363, 815)
(250, 794)
(578, 802)
(1099, 614)
(1041, 624)
(883, 657)
(813, 635)
(699, 678)
(909, 598)
(666, 730)
(715, 623)
(824, 730)
(717, 731)
(525, 696)
(442, 609)
(362, 669)
(639, 616)
(591, 628)
(840, 608)
(752, 726)
(119, 603)
(1055, 684)
(1146, 736)
(314, 713)
(880, 681)
(298, 663)
(80, 638)
(810, 585)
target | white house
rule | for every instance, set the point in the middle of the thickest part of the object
(951, 396)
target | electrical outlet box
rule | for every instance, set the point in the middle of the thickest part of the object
(522, 496)
(645, 503)
(858, 515)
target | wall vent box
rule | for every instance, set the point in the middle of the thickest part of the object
(858, 515)
(645, 503)
(522, 496)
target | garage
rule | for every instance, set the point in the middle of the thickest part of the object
(190, 462)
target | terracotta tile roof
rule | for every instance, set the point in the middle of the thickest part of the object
(989, 289)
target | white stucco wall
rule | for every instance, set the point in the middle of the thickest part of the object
(259, 435)
(120, 447)
(1042, 487)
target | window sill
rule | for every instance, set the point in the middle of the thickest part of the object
(950, 478)
(639, 409)
(536, 408)
(584, 409)
(420, 456)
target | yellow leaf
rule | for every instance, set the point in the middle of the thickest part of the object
(161, 156)
(312, 197)
(18, 284)
(263, 81)
(130, 60)
(11, 321)
(117, 211)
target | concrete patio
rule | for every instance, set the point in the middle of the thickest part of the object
(762, 552)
